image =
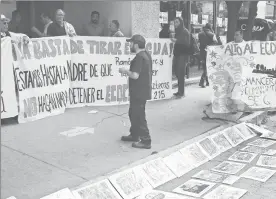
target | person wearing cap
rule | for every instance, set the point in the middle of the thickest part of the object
(140, 81)
(16, 37)
(206, 38)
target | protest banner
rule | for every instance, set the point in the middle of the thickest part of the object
(8, 95)
(95, 78)
(243, 76)
(42, 78)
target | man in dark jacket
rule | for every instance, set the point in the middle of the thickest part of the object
(206, 38)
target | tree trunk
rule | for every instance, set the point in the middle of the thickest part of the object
(253, 8)
(233, 8)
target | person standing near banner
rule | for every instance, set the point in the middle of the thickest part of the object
(140, 81)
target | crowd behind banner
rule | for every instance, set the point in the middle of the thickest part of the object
(54, 73)
(243, 76)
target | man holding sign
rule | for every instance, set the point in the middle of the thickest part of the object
(140, 80)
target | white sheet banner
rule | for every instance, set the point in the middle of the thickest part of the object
(96, 80)
(243, 76)
(8, 95)
(42, 77)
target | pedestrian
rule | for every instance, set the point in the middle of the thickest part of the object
(206, 38)
(60, 27)
(140, 81)
(94, 27)
(16, 24)
(181, 38)
(46, 21)
(115, 29)
(238, 36)
(15, 37)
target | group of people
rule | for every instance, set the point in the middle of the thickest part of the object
(59, 27)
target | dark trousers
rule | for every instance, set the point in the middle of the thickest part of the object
(137, 117)
(204, 76)
(179, 63)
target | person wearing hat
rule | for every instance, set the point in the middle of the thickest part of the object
(140, 81)
(16, 37)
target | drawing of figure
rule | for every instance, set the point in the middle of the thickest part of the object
(269, 161)
(234, 136)
(208, 146)
(221, 141)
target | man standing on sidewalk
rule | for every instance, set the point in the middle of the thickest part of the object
(140, 80)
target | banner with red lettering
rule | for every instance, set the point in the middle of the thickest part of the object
(243, 76)
(95, 63)
(42, 77)
(8, 95)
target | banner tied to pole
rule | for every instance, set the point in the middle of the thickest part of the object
(242, 76)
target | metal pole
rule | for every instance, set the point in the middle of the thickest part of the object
(215, 16)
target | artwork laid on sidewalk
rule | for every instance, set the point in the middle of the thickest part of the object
(98, 190)
(270, 152)
(220, 140)
(209, 147)
(241, 156)
(259, 174)
(178, 164)
(265, 133)
(130, 183)
(233, 136)
(262, 143)
(229, 167)
(267, 161)
(225, 192)
(215, 177)
(245, 132)
(157, 173)
(254, 149)
(194, 155)
(156, 194)
(195, 188)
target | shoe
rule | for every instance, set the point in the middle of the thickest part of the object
(175, 94)
(201, 85)
(141, 145)
(179, 96)
(130, 138)
(207, 84)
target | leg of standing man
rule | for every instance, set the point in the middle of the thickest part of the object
(181, 62)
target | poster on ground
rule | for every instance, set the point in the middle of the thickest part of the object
(242, 76)
(259, 174)
(156, 194)
(242, 156)
(8, 96)
(42, 77)
(95, 64)
(194, 155)
(229, 167)
(63, 193)
(225, 192)
(267, 161)
(262, 143)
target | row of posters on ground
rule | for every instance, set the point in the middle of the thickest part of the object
(138, 182)
(51, 74)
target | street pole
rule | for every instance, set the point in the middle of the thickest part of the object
(189, 16)
(215, 16)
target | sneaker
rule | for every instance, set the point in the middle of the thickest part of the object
(207, 84)
(175, 94)
(130, 138)
(141, 145)
(178, 96)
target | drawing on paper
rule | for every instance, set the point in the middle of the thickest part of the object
(254, 149)
(229, 167)
(241, 156)
(156, 194)
(262, 143)
(209, 147)
(265, 132)
(178, 164)
(98, 190)
(231, 179)
(157, 173)
(195, 188)
(270, 152)
(210, 176)
(225, 192)
(267, 161)
(221, 141)
(233, 136)
(130, 183)
(245, 132)
(194, 155)
(259, 174)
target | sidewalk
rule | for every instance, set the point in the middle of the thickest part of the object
(37, 160)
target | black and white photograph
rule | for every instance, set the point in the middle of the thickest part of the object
(261, 142)
(225, 192)
(258, 173)
(99, 190)
(111, 99)
(195, 188)
(178, 164)
(157, 173)
(267, 161)
(242, 156)
(220, 140)
(229, 167)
